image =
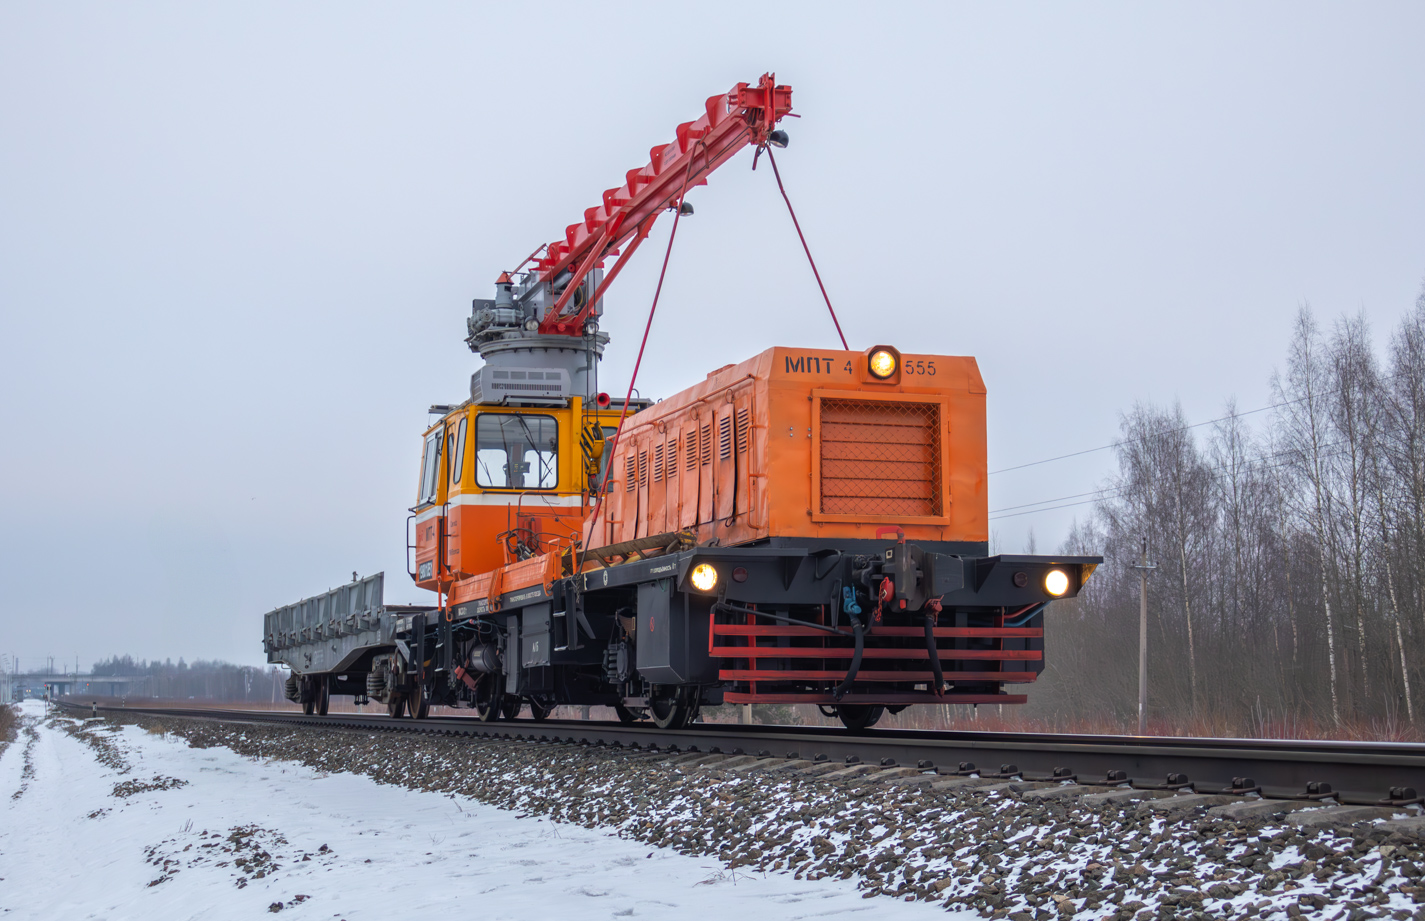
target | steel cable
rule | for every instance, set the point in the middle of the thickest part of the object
(800, 236)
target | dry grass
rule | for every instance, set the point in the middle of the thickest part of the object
(9, 718)
(1248, 725)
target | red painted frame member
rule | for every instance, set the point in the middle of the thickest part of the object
(746, 115)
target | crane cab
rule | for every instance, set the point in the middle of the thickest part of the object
(500, 483)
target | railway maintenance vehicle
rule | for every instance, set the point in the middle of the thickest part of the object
(807, 526)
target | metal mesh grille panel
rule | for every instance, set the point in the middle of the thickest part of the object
(880, 459)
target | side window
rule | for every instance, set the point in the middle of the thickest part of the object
(516, 451)
(430, 467)
(457, 453)
(609, 432)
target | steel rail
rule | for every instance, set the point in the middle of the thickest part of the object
(1358, 772)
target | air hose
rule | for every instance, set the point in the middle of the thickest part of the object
(845, 685)
(934, 653)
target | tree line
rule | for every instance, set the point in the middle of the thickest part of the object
(210, 680)
(1290, 581)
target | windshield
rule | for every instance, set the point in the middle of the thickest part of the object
(516, 451)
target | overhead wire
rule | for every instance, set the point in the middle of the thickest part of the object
(1010, 508)
(1116, 444)
(1217, 473)
(1049, 509)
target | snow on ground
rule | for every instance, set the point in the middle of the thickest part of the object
(206, 833)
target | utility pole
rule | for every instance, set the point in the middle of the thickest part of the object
(1144, 568)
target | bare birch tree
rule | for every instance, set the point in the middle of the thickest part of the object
(1303, 426)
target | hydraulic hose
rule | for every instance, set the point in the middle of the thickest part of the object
(845, 685)
(1025, 615)
(934, 652)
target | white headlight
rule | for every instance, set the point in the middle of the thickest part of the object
(703, 577)
(883, 363)
(1056, 583)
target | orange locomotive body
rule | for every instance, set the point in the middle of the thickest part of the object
(808, 526)
(796, 528)
(806, 443)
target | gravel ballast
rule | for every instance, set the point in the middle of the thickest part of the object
(1005, 851)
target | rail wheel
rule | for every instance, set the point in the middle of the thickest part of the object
(309, 697)
(540, 710)
(625, 715)
(487, 698)
(859, 716)
(511, 706)
(324, 695)
(396, 705)
(673, 711)
(419, 703)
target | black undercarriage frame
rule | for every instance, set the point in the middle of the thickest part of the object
(855, 627)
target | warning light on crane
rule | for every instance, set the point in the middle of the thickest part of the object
(883, 363)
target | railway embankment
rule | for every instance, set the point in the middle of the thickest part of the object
(1022, 851)
(116, 821)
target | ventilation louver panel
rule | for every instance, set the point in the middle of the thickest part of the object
(880, 459)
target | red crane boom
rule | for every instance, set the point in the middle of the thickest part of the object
(746, 115)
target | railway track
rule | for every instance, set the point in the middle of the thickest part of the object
(1357, 773)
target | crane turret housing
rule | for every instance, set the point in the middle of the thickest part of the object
(522, 364)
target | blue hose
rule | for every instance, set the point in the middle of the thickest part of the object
(1027, 616)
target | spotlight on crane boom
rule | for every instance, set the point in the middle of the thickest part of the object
(686, 208)
(777, 138)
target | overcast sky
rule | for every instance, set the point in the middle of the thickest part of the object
(238, 245)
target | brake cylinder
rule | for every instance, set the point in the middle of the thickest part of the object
(485, 659)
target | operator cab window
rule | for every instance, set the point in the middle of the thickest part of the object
(456, 453)
(516, 451)
(609, 432)
(430, 467)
